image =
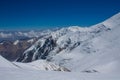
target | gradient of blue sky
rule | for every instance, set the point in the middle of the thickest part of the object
(34, 14)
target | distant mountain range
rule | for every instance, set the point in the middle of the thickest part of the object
(14, 43)
(14, 35)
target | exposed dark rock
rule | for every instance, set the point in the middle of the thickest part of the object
(11, 51)
(90, 71)
(40, 52)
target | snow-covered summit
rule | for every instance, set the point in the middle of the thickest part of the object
(77, 28)
(113, 21)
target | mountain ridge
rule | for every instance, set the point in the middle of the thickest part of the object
(71, 42)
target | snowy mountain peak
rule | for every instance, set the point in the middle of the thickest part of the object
(78, 49)
(113, 21)
(77, 28)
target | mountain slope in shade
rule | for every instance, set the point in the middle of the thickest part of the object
(11, 50)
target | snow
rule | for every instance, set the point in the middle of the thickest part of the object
(105, 61)
(19, 74)
(77, 46)
(5, 63)
(30, 34)
(40, 65)
(77, 28)
(31, 41)
(113, 21)
(33, 33)
(13, 35)
(100, 53)
(5, 35)
(1, 43)
(9, 71)
(96, 57)
(16, 42)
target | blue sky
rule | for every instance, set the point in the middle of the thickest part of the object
(43, 14)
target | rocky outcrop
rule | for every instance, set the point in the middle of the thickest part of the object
(12, 51)
(39, 51)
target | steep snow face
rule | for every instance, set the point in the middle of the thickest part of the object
(93, 50)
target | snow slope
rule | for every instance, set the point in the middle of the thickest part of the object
(98, 54)
(41, 65)
(109, 48)
(9, 72)
(94, 50)
(17, 74)
(80, 49)
(32, 33)
(5, 63)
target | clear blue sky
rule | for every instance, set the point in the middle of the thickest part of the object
(37, 14)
